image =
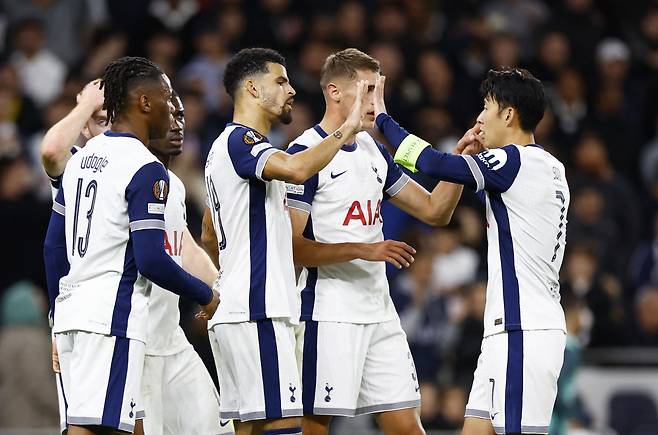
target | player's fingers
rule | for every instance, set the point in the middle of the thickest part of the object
(364, 90)
(393, 261)
(399, 258)
(405, 246)
(406, 256)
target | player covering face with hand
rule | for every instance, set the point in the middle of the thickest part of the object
(526, 196)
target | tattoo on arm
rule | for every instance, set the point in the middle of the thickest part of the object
(338, 134)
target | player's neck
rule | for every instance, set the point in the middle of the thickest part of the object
(124, 125)
(520, 137)
(331, 122)
(165, 160)
(253, 119)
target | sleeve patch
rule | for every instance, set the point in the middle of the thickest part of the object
(295, 189)
(251, 137)
(156, 208)
(161, 190)
(493, 159)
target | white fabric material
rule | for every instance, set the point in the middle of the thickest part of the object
(535, 211)
(347, 208)
(543, 354)
(85, 360)
(180, 397)
(165, 336)
(239, 362)
(362, 368)
(88, 293)
(252, 212)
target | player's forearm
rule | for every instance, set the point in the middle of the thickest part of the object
(196, 261)
(303, 165)
(54, 255)
(56, 144)
(209, 238)
(157, 266)
(309, 253)
(443, 201)
(417, 154)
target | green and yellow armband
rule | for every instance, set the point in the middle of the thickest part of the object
(409, 150)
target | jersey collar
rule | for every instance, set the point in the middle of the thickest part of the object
(248, 128)
(535, 146)
(111, 133)
(349, 148)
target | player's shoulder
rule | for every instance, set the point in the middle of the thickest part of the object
(175, 183)
(309, 138)
(243, 135)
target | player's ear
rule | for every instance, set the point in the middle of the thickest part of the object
(510, 113)
(250, 87)
(144, 103)
(333, 92)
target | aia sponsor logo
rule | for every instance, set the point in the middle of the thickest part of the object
(173, 243)
(365, 214)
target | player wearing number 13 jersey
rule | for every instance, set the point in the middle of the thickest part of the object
(527, 198)
(104, 242)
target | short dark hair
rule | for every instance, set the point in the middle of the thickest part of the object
(246, 62)
(119, 76)
(345, 63)
(519, 89)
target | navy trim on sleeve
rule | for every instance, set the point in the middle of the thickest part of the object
(54, 255)
(496, 169)
(153, 262)
(300, 196)
(249, 151)
(395, 178)
(147, 195)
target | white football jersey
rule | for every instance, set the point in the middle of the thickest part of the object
(165, 336)
(111, 187)
(344, 202)
(527, 198)
(252, 223)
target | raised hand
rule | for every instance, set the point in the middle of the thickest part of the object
(91, 95)
(399, 254)
(354, 121)
(380, 106)
(471, 142)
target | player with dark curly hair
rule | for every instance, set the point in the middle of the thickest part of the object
(104, 241)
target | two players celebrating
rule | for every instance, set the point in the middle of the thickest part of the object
(354, 358)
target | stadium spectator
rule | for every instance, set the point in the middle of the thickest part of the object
(27, 385)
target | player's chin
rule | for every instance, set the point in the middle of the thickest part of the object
(285, 117)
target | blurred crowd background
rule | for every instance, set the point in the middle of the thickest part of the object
(598, 61)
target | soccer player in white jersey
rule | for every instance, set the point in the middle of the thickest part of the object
(527, 197)
(355, 356)
(178, 392)
(252, 333)
(104, 241)
(171, 364)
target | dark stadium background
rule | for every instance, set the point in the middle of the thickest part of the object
(599, 64)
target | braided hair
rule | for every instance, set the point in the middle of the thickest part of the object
(119, 76)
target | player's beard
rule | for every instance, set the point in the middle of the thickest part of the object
(286, 116)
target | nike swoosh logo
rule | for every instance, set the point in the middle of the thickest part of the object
(224, 423)
(337, 175)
